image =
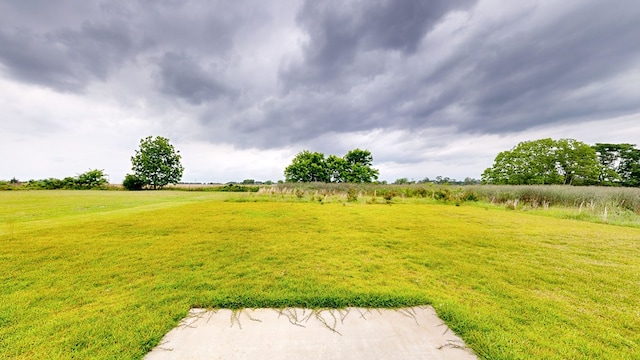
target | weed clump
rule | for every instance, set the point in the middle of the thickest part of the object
(352, 195)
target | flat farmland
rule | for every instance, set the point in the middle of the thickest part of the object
(105, 274)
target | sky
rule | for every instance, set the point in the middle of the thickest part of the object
(430, 87)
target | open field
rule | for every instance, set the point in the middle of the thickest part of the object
(106, 274)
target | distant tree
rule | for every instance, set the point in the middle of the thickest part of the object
(354, 167)
(359, 167)
(545, 161)
(401, 181)
(444, 180)
(470, 181)
(157, 162)
(307, 166)
(92, 179)
(620, 164)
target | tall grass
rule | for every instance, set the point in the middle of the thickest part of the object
(562, 195)
(530, 195)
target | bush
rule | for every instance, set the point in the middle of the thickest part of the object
(470, 196)
(133, 182)
(238, 188)
(352, 195)
(442, 195)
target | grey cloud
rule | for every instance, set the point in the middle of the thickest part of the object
(340, 33)
(65, 59)
(86, 42)
(506, 77)
(180, 75)
(524, 78)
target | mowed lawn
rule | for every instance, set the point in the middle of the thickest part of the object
(90, 274)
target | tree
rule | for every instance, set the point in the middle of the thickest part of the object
(354, 167)
(529, 162)
(402, 181)
(545, 161)
(358, 167)
(92, 179)
(337, 168)
(157, 163)
(577, 162)
(307, 167)
(620, 164)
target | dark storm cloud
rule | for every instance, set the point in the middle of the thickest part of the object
(349, 45)
(66, 47)
(340, 32)
(181, 76)
(65, 59)
(53, 46)
(504, 75)
(519, 78)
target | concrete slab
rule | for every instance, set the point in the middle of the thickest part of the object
(352, 333)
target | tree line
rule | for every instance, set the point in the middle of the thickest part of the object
(545, 161)
(92, 179)
(567, 162)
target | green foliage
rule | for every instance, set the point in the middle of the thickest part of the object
(352, 195)
(577, 162)
(358, 168)
(470, 195)
(157, 163)
(11, 184)
(307, 167)
(90, 180)
(402, 181)
(237, 188)
(133, 182)
(545, 161)
(620, 164)
(354, 167)
(337, 168)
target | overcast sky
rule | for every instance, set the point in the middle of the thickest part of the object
(430, 87)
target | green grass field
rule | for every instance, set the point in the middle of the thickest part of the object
(90, 274)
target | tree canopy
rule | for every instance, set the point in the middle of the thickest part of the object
(620, 162)
(354, 167)
(545, 161)
(157, 162)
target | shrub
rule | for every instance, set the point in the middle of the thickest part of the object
(442, 195)
(352, 195)
(133, 182)
(237, 188)
(470, 196)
